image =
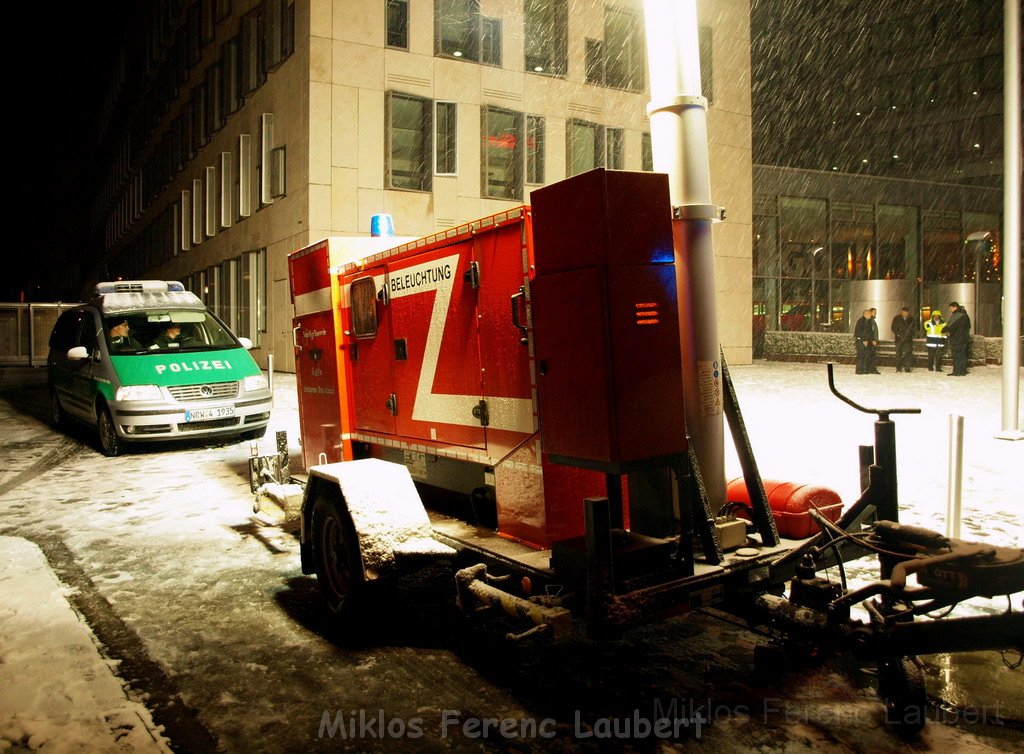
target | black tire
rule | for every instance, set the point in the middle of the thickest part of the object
(336, 558)
(57, 416)
(901, 686)
(110, 444)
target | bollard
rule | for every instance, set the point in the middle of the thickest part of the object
(270, 377)
(956, 475)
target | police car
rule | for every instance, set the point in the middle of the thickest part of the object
(146, 360)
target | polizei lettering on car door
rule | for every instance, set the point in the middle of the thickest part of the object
(193, 366)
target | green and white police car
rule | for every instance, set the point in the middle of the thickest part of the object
(145, 360)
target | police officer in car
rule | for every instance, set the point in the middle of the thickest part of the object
(172, 337)
(120, 337)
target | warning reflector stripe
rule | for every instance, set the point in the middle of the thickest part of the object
(314, 301)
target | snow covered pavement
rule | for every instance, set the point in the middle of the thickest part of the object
(57, 692)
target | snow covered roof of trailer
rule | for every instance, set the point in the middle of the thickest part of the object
(135, 295)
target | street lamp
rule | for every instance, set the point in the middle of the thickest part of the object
(814, 308)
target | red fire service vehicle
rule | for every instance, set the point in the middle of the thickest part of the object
(542, 393)
(510, 390)
(520, 375)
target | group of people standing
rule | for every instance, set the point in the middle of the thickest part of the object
(938, 331)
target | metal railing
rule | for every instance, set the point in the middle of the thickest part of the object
(25, 332)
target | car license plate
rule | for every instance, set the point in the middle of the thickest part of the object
(203, 414)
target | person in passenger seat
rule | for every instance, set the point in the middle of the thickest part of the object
(121, 339)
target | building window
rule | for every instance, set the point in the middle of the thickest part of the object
(545, 34)
(613, 148)
(252, 68)
(623, 49)
(211, 213)
(198, 212)
(398, 24)
(227, 190)
(230, 76)
(252, 295)
(534, 149)
(501, 153)
(595, 61)
(229, 293)
(199, 123)
(586, 146)
(707, 85)
(214, 94)
(408, 142)
(243, 184)
(457, 28)
(278, 31)
(646, 152)
(445, 138)
(277, 172)
(186, 220)
(490, 41)
(264, 168)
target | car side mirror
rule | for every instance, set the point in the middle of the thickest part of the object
(78, 353)
(246, 343)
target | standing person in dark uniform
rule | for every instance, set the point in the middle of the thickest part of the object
(935, 340)
(870, 362)
(958, 330)
(903, 330)
(865, 335)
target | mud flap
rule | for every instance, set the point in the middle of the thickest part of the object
(387, 513)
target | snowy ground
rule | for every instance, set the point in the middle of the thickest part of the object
(201, 610)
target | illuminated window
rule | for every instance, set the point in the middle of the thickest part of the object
(457, 28)
(501, 153)
(545, 34)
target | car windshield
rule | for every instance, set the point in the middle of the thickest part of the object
(155, 331)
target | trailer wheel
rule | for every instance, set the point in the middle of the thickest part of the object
(339, 570)
(110, 443)
(901, 686)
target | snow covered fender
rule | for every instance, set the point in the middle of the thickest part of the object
(386, 511)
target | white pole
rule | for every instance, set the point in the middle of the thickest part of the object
(270, 377)
(679, 139)
(1011, 221)
(956, 475)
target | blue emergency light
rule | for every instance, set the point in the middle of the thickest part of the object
(382, 225)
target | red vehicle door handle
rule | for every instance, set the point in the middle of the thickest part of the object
(515, 315)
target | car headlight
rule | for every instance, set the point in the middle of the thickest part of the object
(139, 393)
(256, 382)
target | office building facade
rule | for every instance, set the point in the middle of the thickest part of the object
(246, 130)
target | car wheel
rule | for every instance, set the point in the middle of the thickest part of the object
(339, 569)
(57, 415)
(110, 443)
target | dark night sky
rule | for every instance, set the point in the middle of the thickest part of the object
(61, 84)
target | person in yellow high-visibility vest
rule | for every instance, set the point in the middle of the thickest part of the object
(935, 340)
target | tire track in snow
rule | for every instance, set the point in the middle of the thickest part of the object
(143, 675)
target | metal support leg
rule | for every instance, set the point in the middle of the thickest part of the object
(866, 456)
(613, 488)
(600, 576)
(703, 517)
(886, 499)
(762, 516)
